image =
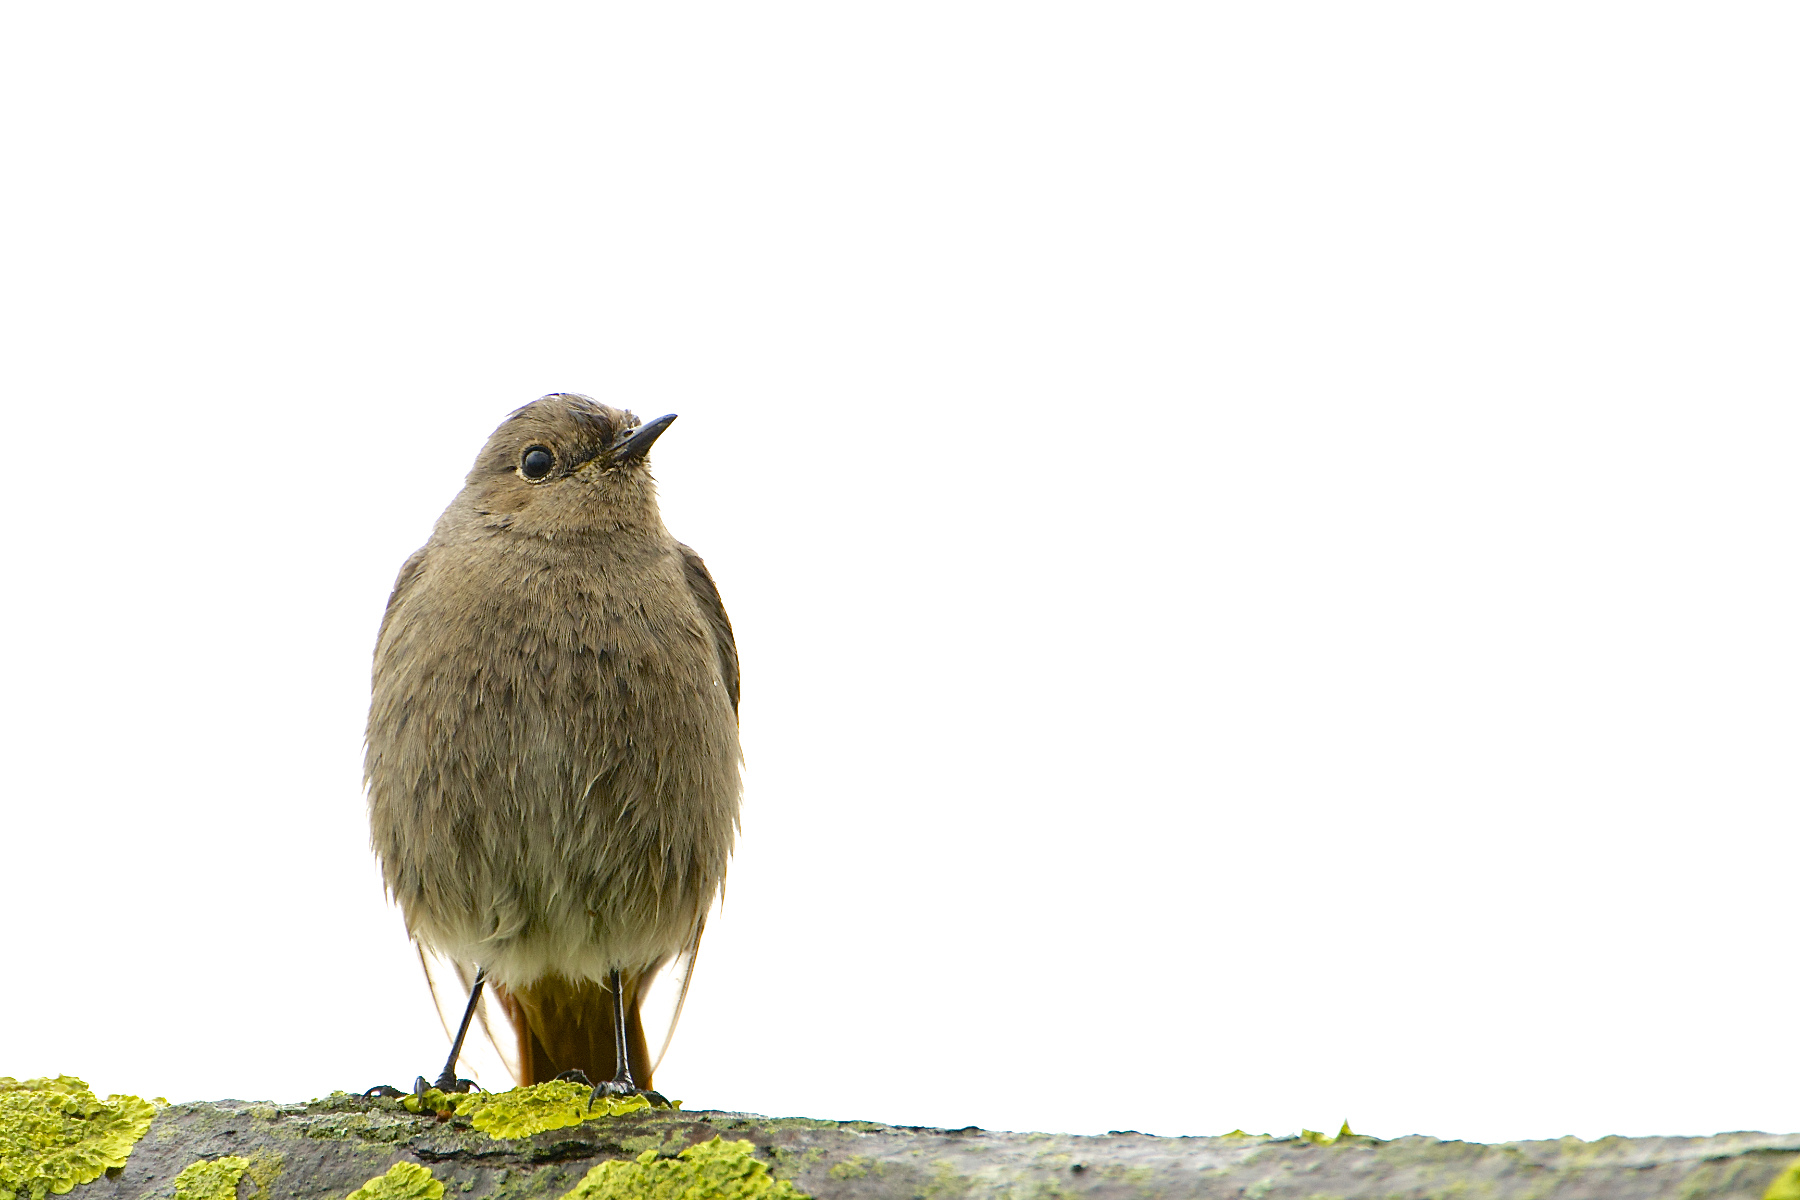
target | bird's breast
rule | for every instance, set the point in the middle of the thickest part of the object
(551, 737)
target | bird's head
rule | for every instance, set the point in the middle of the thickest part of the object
(566, 463)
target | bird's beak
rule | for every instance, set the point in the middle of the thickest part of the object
(636, 444)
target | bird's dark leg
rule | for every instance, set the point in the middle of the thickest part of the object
(447, 1081)
(621, 1084)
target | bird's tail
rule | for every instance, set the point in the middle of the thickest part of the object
(566, 1025)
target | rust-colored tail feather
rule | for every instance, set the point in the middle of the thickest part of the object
(567, 1025)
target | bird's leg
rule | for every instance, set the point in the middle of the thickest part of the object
(447, 1081)
(621, 1084)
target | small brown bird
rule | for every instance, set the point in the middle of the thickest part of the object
(553, 763)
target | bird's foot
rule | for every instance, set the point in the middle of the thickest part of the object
(438, 1098)
(446, 1083)
(576, 1075)
(624, 1087)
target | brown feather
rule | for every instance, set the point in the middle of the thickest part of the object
(567, 1025)
(706, 595)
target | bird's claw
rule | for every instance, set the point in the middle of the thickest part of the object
(624, 1087)
(448, 1083)
(575, 1075)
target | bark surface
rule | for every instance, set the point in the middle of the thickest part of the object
(328, 1148)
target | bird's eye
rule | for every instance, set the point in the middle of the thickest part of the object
(536, 462)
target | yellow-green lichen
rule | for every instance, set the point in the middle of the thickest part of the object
(1737, 1175)
(715, 1170)
(528, 1110)
(219, 1178)
(945, 1183)
(789, 1161)
(856, 1167)
(1786, 1185)
(403, 1181)
(377, 1124)
(265, 1168)
(211, 1180)
(433, 1101)
(668, 1145)
(55, 1134)
(1319, 1139)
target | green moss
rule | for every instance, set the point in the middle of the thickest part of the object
(1786, 1185)
(403, 1181)
(55, 1134)
(214, 1180)
(715, 1170)
(528, 1110)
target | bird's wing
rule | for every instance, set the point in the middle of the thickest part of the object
(684, 974)
(488, 1054)
(706, 594)
(409, 571)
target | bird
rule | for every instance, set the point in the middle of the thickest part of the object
(552, 759)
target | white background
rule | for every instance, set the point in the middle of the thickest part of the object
(1261, 537)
